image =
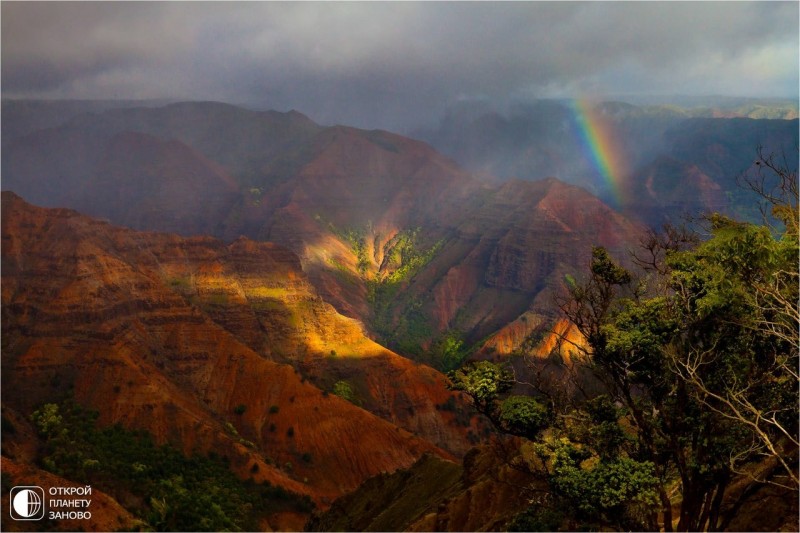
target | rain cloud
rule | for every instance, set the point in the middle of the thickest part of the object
(396, 65)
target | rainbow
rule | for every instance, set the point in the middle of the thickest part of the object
(600, 140)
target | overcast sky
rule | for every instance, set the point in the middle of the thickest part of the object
(393, 65)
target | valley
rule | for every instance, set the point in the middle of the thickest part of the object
(287, 301)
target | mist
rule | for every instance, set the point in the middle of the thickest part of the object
(397, 66)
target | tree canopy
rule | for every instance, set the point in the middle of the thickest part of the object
(697, 352)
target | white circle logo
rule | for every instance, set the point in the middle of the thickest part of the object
(27, 503)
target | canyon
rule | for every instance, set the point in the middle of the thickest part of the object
(289, 296)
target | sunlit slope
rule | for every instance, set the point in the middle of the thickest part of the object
(388, 231)
(97, 313)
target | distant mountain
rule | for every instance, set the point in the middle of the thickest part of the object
(701, 168)
(590, 143)
(294, 182)
(719, 106)
(243, 142)
(129, 186)
(23, 116)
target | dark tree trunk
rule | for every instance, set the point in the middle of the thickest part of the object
(716, 505)
(667, 504)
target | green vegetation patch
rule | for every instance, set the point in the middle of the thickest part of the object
(402, 322)
(181, 284)
(164, 488)
(346, 391)
(405, 257)
(399, 319)
(356, 238)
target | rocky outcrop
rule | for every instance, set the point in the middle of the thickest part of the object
(535, 335)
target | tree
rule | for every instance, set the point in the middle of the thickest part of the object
(484, 382)
(607, 489)
(759, 389)
(702, 350)
(697, 354)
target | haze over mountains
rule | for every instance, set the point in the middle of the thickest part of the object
(361, 207)
(569, 139)
(286, 294)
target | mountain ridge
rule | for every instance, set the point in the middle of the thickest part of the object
(355, 205)
(123, 340)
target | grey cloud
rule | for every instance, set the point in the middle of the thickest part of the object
(384, 64)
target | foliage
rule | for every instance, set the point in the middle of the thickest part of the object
(407, 330)
(618, 491)
(524, 415)
(173, 492)
(604, 429)
(345, 391)
(449, 351)
(358, 245)
(357, 239)
(47, 420)
(483, 381)
(697, 358)
(739, 305)
(406, 257)
(537, 518)
(704, 360)
(639, 344)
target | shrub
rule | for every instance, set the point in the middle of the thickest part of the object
(524, 415)
(344, 390)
